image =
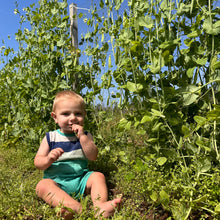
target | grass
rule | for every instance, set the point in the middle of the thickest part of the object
(17, 189)
(19, 178)
(149, 191)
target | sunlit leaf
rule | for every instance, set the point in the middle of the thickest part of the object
(133, 87)
(61, 43)
(142, 132)
(157, 113)
(190, 94)
(204, 165)
(145, 119)
(154, 196)
(194, 34)
(68, 63)
(217, 208)
(146, 21)
(157, 126)
(211, 28)
(199, 119)
(214, 114)
(190, 72)
(155, 69)
(201, 61)
(189, 98)
(152, 140)
(161, 161)
(215, 64)
(164, 196)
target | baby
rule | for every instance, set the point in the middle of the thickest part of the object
(63, 155)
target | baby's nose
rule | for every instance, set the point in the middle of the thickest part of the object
(72, 117)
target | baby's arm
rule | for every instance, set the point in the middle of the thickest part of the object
(44, 157)
(89, 148)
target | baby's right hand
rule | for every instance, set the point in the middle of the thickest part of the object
(55, 154)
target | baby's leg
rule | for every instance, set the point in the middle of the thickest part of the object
(51, 193)
(96, 186)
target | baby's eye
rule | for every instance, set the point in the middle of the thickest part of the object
(78, 113)
(65, 113)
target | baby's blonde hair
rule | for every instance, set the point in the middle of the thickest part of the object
(68, 94)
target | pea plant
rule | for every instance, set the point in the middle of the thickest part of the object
(162, 61)
(44, 64)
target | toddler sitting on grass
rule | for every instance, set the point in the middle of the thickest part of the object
(63, 155)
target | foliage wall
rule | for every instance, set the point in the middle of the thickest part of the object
(32, 75)
(164, 74)
(165, 69)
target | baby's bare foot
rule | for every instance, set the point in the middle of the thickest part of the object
(107, 209)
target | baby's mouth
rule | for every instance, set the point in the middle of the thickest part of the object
(71, 125)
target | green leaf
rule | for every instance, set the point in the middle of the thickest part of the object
(164, 196)
(68, 63)
(201, 143)
(54, 11)
(214, 114)
(62, 25)
(60, 43)
(152, 140)
(195, 33)
(215, 64)
(157, 113)
(155, 69)
(141, 132)
(204, 165)
(164, 5)
(62, 5)
(192, 148)
(185, 130)
(136, 45)
(130, 176)
(190, 94)
(199, 119)
(133, 87)
(217, 208)
(201, 61)
(128, 125)
(154, 196)
(190, 72)
(156, 127)
(146, 22)
(189, 98)
(145, 119)
(210, 28)
(124, 124)
(161, 161)
(169, 44)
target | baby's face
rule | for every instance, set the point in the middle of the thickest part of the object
(68, 112)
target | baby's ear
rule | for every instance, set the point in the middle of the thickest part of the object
(53, 115)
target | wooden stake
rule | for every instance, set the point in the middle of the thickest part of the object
(74, 36)
(73, 25)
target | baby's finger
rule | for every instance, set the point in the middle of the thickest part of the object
(75, 129)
